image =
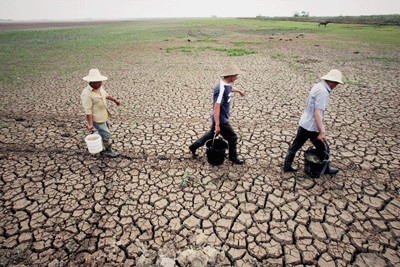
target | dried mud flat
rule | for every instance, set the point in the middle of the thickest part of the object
(61, 206)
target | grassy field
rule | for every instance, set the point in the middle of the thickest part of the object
(376, 20)
(369, 33)
(27, 54)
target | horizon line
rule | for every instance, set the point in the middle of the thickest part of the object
(155, 18)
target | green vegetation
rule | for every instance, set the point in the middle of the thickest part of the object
(386, 20)
(382, 19)
(384, 59)
(278, 55)
(25, 55)
(185, 178)
(246, 42)
(180, 48)
(230, 51)
(356, 32)
(360, 81)
(206, 40)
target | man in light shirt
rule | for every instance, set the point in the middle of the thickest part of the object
(311, 122)
(220, 114)
(94, 101)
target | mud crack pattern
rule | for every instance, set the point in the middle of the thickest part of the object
(59, 202)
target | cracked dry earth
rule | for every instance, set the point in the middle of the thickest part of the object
(61, 206)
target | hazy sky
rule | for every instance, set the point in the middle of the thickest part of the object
(123, 9)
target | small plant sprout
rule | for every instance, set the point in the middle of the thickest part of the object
(395, 239)
(115, 181)
(71, 245)
(185, 178)
(296, 176)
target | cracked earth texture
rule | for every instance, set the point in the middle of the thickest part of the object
(60, 202)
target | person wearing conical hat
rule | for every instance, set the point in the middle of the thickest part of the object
(94, 102)
(311, 125)
(220, 114)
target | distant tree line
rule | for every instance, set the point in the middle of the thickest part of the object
(378, 20)
(302, 14)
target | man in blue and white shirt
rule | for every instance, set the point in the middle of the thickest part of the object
(311, 122)
(220, 114)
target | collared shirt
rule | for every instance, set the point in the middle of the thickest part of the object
(222, 95)
(318, 98)
(95, 104)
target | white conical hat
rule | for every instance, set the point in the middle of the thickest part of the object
(95, 76)
(231, 69)
(334, 76)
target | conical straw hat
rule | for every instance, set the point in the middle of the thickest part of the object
(334, 76)
(95, 76)
(231, 69)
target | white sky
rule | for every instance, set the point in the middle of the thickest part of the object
(124, 9)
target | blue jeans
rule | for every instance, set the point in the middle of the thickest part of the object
(103, 129)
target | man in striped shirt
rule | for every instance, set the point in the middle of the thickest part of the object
(220, 114)
(311, 122)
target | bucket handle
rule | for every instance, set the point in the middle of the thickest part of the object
(212, 146)
(326, 148)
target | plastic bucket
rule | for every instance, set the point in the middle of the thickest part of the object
(315, 162)
(216, 152)
(94, 143)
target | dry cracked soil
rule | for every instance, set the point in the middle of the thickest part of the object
(62, 206)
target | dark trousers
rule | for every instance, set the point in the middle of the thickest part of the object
(301, 138)
(227, 133)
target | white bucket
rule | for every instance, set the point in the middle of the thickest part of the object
(94, 143)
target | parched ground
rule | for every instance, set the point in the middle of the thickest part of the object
(62, 206)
